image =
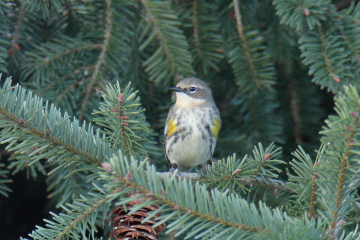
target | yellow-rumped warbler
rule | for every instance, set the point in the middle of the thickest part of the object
(192, 125)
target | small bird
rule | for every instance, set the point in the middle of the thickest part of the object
(192, 126)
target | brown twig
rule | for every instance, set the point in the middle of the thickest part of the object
(343, 168)
(327, 60)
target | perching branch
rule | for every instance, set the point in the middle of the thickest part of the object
(270, 184)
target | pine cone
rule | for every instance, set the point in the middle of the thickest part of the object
(129, 227)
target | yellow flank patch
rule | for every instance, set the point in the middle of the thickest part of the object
(171, 127)
(216, 127)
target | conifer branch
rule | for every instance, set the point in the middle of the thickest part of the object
(68, 52)
(170, 60)
(65, 91)
(162, 40)
(313, 194)
(343, 167)
(101, 59)
(67, 76)
(123, 120)
(216, 210)
(4, 189)
(177, 206)
(269, 184)
(53, 141)
(261, 164)
(240, 30)
(80, 218)
(335, 77)
(349, 45)
(46, 134)
(196, 31)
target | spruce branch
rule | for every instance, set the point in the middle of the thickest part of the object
(313, 194)
(338, 185)
(324, 40)
(4, 189)
(258, 170)
(352, 130)
(351, 45)
(251, 64)
(53, 55)
(332, 74)
(4, 31)
(25, 118)
(303, 15)
(240, 30)
(161, 37)
(268, 184)
(68, 51)
(80, 218)
(101, 58)
(123, 120)
(171, 60)
(56, 82)
(176, 206)
(204, 39)
(195, 203)
(66, 91)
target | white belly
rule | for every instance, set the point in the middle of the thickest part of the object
(192, 145)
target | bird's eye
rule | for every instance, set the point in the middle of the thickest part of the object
(192, 89)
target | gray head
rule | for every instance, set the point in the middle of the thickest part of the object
(192, 92)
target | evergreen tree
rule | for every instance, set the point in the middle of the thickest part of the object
(88, 98)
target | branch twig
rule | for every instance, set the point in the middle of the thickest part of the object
(272, 184)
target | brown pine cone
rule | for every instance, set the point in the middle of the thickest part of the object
(129, 227)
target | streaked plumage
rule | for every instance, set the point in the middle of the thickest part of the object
(192, 125)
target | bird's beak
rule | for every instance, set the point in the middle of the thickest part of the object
(176, 89)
